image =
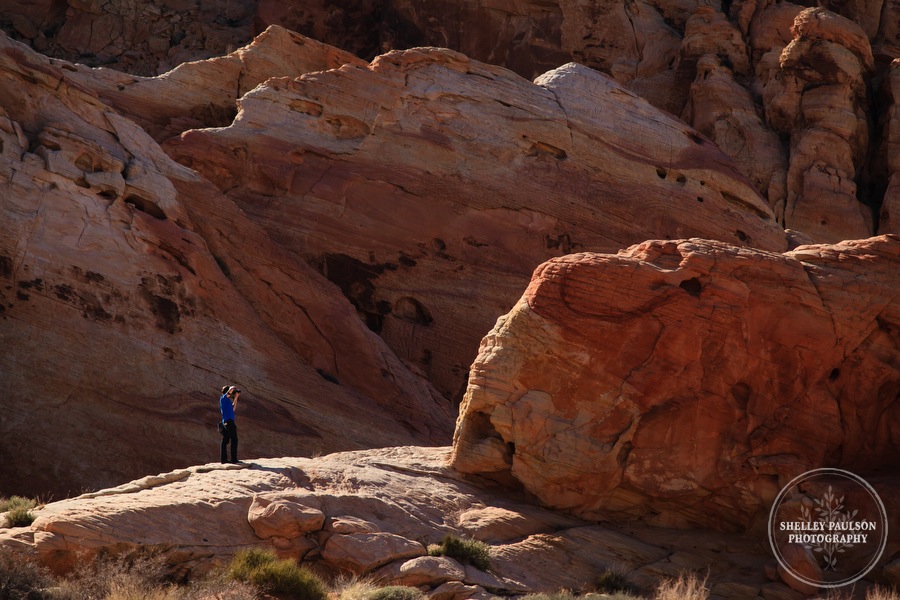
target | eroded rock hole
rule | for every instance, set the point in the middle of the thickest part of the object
(412, 311)
(479, 428)
(539, 148)
(356, 280)
(6, 266)
(146, 206)
(694, 137)
(692, 286)
(85, 163)
(223, 266)
(328, 376)
(166, 311)
(661, 173)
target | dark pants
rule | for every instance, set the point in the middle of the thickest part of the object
(230, 435)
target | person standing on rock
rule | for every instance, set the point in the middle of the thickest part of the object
(228, 404)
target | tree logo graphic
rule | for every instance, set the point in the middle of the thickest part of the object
(829, 512)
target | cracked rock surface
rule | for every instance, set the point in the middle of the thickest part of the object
(372, 513)
(684, 383)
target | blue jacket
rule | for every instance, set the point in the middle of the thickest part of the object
(227, 408)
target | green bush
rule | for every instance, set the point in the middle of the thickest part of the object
(473, 552)
(397, 592)
(18, 510)
(263, 569)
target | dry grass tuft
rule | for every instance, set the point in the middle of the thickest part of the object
(882, 593)
(354, 588)
(686, 587)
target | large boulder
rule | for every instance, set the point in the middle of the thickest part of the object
(651, 47)
(684, 382)
(361, 553)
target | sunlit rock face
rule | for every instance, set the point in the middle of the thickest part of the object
(131, 290)
(428, 186)
(684, 383)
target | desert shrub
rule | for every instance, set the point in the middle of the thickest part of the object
(218, 587)
(143, 574)
(264, 570)
(247, 562)
(473, 552)
(22, 578)
(613, 581)
(131, 589)
(396, 592)
(18, 510)
(686, 587)
(560, 595)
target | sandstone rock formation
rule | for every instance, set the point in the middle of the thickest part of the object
(179, 291)
(203, 94)
(380, 508)
(685, 382)
(800, 128)
(486, 176)
(740, 78)
(131, 289)
(808, 80)
(818, 98)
